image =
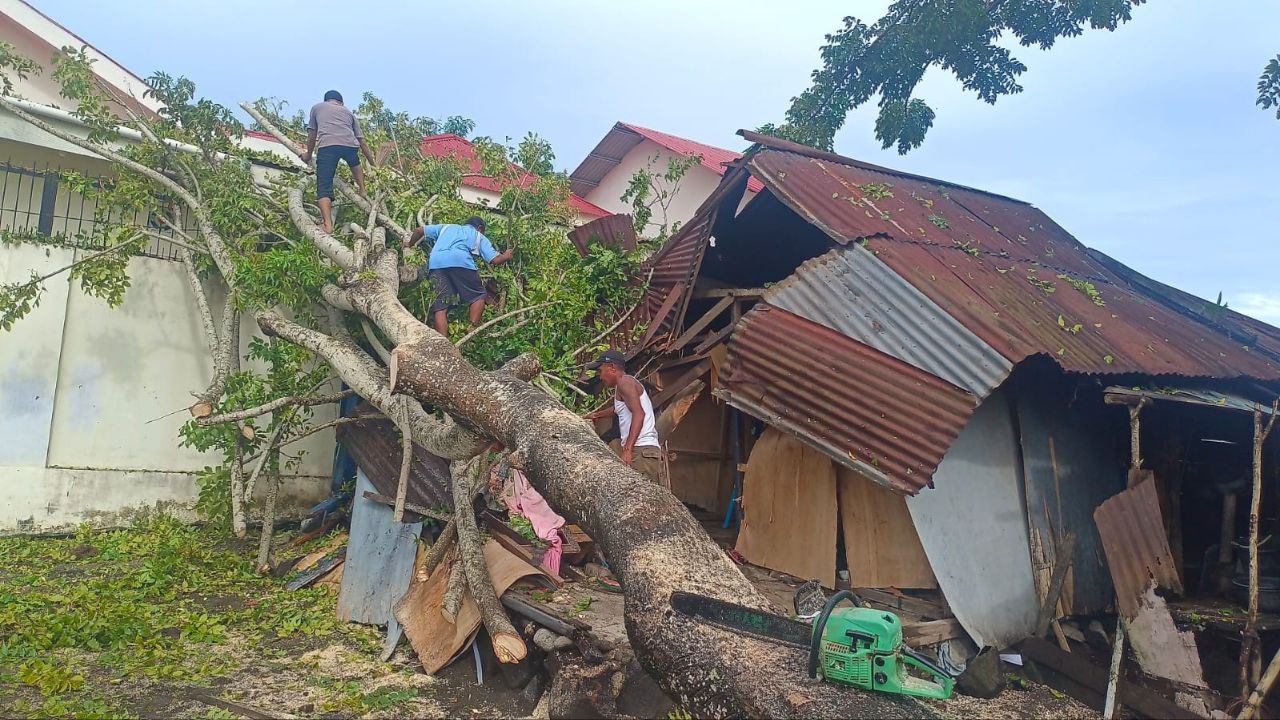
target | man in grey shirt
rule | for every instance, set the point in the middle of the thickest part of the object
(333, 129)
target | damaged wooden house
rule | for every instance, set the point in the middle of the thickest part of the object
(904, 383)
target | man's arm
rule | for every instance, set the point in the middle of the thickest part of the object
(311, 145)
(491, 254)
(414, 238)
(604, 412)
(364, 147)
(629, 390)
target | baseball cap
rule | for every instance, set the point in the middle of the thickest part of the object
(609, 356)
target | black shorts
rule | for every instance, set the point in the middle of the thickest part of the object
(455, 286)
(327, 159)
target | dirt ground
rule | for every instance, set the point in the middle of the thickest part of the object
(164, 620)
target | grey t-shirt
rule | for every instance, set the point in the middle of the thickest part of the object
(334, 125)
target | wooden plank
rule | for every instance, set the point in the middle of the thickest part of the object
(789, 509)
(673, 296)
(326, 564)
(679, 384)
(715, 339)
(924, 634)
(923, 608)
(701, 323)
(729, 292)
(880, 540)
(380, 556)
(1079, 669)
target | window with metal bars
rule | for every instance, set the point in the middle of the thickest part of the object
(35, 200)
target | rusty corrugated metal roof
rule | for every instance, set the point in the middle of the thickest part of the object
(615, 231)
(375, 446)
(1005, 271)
(1136, 546)
(853, 293)
(873, 412)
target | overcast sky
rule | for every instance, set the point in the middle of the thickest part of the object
(1144, 143)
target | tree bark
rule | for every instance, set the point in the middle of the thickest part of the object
(268, 523)
(238, 524)
(508, 645)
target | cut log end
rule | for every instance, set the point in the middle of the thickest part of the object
(248, 432)
(202, 409)
(509, 648)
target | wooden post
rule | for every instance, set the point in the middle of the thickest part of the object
(1110, 707)
(1117, 649)
(1249, 641)
(1260, 692)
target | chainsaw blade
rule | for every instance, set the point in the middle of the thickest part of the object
(741, 619)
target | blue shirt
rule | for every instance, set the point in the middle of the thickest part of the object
(455, 245)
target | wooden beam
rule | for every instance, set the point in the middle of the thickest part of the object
(715, 339)
(931, 633)
(729, 292)
(700, 324)
(680, 383)
(673, 296)
(923, 608)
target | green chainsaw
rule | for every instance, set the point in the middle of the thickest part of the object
(856, 646)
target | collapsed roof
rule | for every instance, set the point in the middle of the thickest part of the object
(927, 296)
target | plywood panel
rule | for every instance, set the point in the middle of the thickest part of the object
(789, 509)
(695, 445)
(973, 526)
(880, 540)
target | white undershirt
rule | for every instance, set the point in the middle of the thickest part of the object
(648, 431)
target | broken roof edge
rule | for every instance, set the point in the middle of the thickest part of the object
(740, 401)
(781, 145)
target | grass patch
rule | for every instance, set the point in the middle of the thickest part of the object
(155, 603)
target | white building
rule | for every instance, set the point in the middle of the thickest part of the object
(603, 176)
(91, 397)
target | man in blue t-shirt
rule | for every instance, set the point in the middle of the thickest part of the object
(452, 267)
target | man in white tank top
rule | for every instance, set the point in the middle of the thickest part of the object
(637, 423)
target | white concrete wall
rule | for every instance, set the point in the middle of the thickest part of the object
(92, 397)
(694, 187)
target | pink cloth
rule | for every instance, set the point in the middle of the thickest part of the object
(520, 497)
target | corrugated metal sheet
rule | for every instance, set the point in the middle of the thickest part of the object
(852, 292)
(868, 410)
(374, 444)
(974, 529)
(1137, 548)
(612, 230)
(994, 265)
(379, 564)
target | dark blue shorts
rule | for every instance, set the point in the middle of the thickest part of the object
(455, 287)
(327, 159)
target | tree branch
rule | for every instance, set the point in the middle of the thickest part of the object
(292, 400)
(340, 254)
(383, 353)
(203, 406)
(518, 311)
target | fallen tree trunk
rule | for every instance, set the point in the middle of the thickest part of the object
(652, 542)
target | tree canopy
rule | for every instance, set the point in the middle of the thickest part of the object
(886, 61)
